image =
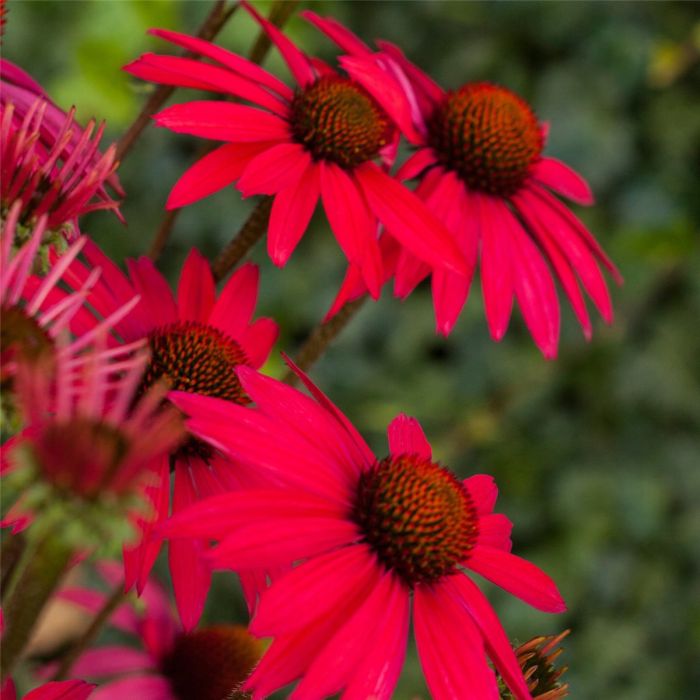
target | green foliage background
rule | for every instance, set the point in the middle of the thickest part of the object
(597, 454)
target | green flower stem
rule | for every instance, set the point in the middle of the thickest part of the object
(321, 337)
(34, 586)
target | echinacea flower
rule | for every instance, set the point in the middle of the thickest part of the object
(34, 310)
(88, 444)
(481, 171)
(320, 140)
(196, 342)
(375, 540)
(57, 175)
(172, 664)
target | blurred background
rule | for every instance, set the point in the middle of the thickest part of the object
(597, 454)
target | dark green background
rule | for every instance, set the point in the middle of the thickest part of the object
(597, 454)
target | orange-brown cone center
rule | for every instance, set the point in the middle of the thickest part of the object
(488, 135)
(416, 516)
(21, 336)
(335, 119)
(211, 663)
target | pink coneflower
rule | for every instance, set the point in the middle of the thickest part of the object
(87, 437)
(196, 342)
(320, 140)
(34, 311)
(60, 177)
(206, 664)
(481, 170)
(375, 541)
(56, 690)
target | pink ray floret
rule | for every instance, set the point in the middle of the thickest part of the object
(373, 541)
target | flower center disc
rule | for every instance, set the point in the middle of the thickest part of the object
(211, 663)
(196, 358)
(416, 516)
(337, 120)
(21, 334)
(488, 135)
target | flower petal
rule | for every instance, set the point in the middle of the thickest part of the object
(406, 437)
(195, 291)
(258, 339)
(156, 298)
(562, 179)
(338, 33)
(234, 308)
(274, 169)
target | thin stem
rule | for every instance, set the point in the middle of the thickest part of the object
(248, 235)
(35, 585)
(211, 26)
(281, 11)
(90, 634)
(321, 336)
(13, 550)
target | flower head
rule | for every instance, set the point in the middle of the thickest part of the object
(374, 540)
(210, 663)
(196, 342)
(319, 140)
(480, 169)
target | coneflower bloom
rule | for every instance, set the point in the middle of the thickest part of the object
(34, 310)
(172, 664)
(320, 140)
(375, 540)
(481, 171)
(87, 436)
(51, 173)
(196, 342)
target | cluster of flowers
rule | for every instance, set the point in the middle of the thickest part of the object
(135, 415)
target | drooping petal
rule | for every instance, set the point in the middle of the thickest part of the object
(352, 223)
(407, 437)
(498, 646)
(517, 576)
(223, 121)
(274, 169)
(409, 220)
(195, 291)
(290, 215)
(213, 172)
(562, 179)
(416, 164)
(450, 648)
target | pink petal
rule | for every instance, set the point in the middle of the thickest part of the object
(450, 647)
(187, 72)
(111, 661)
(195, 292)
(385, 90)
(406, 437)
(517, 576)
(124, 618)
(232, 61)
(376, 674)
(190, 575)
(297, 62)
(223, 121)
(142, 687)
(354, 226)
(337, 662)
(281, 542)
(274, 169)
(562, 179)
(534, 288)
(338, 33)
(61, 690)
(340, 578)
(497, 273)
(156, 298)
(410, 272)
(498, 646)
(258, 339)
(484, 492)
(215, 517)
(291, 213)
(494, 531)
(213, 172)
(234, 308)
(423, 158)
(408, 219)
